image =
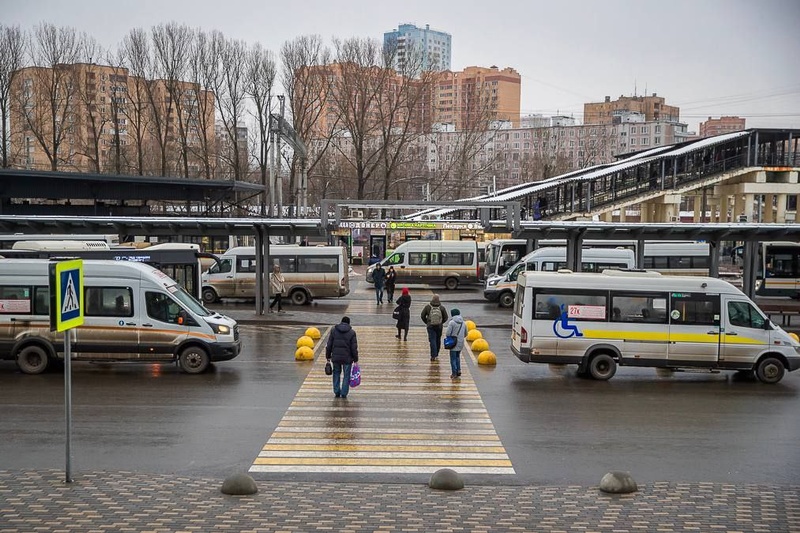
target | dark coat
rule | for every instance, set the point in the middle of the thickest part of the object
(390, 279)
(404, 303)
(342, 345)
(426, 311)
(378, 275)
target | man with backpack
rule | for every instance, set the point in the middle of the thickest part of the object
(434, 315)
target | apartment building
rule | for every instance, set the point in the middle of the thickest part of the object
(464, 97)
(718, 126)
(97, 118)
(423, 49)
(652, 107)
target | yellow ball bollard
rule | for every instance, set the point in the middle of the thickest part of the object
(474, 334)
(305, 341)
(313, 333)
(795, 337)
(479, 345)
(487, 358)
(470, 325)
(304, 353)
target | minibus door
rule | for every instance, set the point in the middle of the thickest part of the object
(111, 325)
(744, 336)
(694, 329)
(245, 278)
(163, 325)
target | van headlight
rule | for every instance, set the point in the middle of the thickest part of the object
(221, 329)
(493, 282)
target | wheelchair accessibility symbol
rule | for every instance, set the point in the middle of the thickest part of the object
(562, 328)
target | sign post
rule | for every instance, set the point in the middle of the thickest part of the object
(66, 312)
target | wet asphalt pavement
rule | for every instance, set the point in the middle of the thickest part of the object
(555, 427)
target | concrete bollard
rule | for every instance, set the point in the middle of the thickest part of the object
(446, 479)
(304, 353)
(479, 345)
(305, 341)
(618, 483)
(487, 357)
(239, 485)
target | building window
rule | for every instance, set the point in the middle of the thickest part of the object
(633, 129)
(658, 129)
(657, 140)
(633, 142)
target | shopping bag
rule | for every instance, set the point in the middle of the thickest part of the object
(450, 341)
(328, 368)
(355, 375)
(396, 313)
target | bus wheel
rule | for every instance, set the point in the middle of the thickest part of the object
(602, 367)
(299, 297)
(507, 299)
(32, 360)
(194, 360)
(209, 295)
(451, 284)
(770, 370)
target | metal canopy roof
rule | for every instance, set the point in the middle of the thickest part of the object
(656, 231)
(160, 225)
(73, 185)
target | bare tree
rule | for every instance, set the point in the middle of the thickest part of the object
(140, 109)
(260, 80)
(47, 96)
(171, 46)
(230, 86)
(12, 57)
(203, 70)
(119, 101)
(306, 82)
(91, 96)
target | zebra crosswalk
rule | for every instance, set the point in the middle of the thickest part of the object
(407, 417)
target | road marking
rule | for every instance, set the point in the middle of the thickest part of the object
(406, 417)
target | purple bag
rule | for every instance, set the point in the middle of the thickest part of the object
(355, 375)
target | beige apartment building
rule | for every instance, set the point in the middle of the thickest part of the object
(718, 126)
(97, 118)
(652, 107)
(454, 100)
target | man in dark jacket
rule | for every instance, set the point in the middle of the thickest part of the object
(434, 315)
(342, 350)
(378, 278)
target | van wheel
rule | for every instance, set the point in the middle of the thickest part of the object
(770, 370)
(299, 297)
(32, 360)
(209, 295)
(507, 299)
(602, 367)
(451, 284)
(194, 360)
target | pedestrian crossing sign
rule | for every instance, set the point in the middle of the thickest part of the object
(66, 288)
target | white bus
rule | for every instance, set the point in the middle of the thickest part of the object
(600, 321)
(7, 241)
(502, 288)
(310, 272)
(448, 263)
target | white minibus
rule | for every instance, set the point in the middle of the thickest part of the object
(310, 272)
(448, 263)
(132, 312)
(502, 288)
(600, 321)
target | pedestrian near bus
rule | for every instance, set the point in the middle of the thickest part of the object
(277, 284)
(378, 278)
(342, 351)
(434, 315)
(391, 276)
(458, 329)
(404, 307)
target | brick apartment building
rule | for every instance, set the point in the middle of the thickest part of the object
(652, 107)
(718, 126)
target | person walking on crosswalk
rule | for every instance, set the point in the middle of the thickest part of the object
(456, 328)
(434, 315)
(404, 312)
(342, 351)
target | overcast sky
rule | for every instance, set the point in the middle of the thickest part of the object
(709, 57)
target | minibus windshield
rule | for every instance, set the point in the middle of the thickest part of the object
(188, 300)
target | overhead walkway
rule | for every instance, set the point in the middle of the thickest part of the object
(748, 163)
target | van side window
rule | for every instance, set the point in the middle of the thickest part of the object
(15, 299)
(744, 315)
(580, 305)
(318, 264)
(245, 264)
(161, 307)
(395, 259)
(41, 301)
(695, 309)
(288, 263)
(639, 307)
(224, 266)
(108, 301)
(418, 258)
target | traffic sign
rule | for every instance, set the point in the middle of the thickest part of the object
(66, 294)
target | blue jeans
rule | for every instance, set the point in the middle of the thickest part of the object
(379, 293)
(455, 362)
(435, 339)
(341, 386)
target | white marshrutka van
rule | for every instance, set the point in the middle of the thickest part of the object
(503, 287)
(132, 312)
(600, 321)
(310, 272)
(448, 263)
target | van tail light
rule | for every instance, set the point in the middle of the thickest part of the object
(524, 335)
(342, 282)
